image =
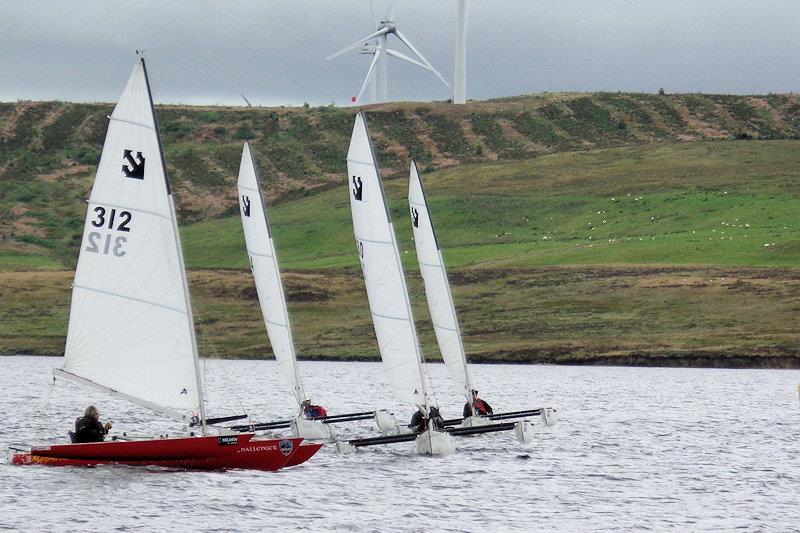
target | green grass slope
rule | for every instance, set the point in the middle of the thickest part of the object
(642, 255)
(49, 150)
(719, 203)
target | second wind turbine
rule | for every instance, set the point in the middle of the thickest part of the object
(377, 42)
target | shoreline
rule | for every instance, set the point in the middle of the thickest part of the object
(666, 360)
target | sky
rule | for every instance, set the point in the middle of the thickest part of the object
(273, 51)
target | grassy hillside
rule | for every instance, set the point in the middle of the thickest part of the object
(48, 150)
(653, 254)
(624, 315)
(724, 203)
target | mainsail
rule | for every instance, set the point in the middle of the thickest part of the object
(264, 264)
(131, 331)
(383, 273)
(437, 287)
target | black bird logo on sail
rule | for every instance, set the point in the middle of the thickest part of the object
(415, 216)
(246, 205)
(358, 188)
(133, 167)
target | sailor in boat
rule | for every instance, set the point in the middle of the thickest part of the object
(479, 406)
(419, 422)
(88, 428)
(313, 411)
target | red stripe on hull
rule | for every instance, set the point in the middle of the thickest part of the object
(191, 453)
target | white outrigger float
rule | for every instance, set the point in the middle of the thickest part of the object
(392, 316)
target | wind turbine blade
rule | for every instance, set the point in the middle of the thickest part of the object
(398, 55)
(245, 99)
(370, 72)
(410, 46)
(358, 43)
(389, 10)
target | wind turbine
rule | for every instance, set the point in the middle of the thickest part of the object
(377, 44)
(460, 74)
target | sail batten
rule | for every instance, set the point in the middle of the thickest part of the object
(131, 331)
(266, 273)
(437, 287)
(387, 293)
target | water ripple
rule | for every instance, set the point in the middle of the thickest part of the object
(636, 449)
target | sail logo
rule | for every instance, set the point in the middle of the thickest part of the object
(246, 205)
(286, 447)
(358, 188)
(415, 216)
(133, 167)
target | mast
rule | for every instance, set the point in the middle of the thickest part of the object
(184, 280)
(460, 62)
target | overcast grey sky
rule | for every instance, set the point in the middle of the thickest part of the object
(274, 50)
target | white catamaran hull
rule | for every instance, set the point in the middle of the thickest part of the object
(549, 417)
(311, 429)
(386, 422)
(523, 430)
(475, 421)
(433, 442)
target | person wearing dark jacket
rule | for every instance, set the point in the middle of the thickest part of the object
(419, 422)
(479, 406)
(88, 428)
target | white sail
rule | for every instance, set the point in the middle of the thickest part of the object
(383, 273)
(264, 265)
(131, 331)
(437, 287)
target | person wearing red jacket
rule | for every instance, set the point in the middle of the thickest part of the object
(479, 406)
(313, 411)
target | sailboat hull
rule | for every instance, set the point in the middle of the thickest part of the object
(192, 453)
(302, 454)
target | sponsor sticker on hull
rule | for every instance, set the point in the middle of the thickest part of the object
(228, 440)
(286, 447)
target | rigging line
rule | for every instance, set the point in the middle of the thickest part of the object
(140, 124)
(211, 346)
(131, 298)
(431, 265)
(374, 241)
(43, 413)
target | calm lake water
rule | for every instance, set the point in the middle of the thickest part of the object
(635, 448)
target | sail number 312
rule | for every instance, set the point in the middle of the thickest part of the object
(105, 244)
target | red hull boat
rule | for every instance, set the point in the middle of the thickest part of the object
(191, 453)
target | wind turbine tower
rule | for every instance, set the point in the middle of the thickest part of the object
(377, 43)
(460, 75)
